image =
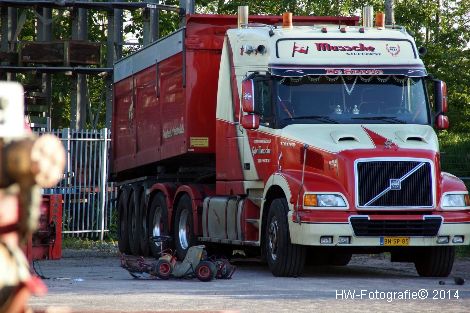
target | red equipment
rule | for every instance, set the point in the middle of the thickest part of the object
(46, 242)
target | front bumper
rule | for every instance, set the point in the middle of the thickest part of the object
(309, 234)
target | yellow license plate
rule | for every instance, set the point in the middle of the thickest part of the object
(394, 241)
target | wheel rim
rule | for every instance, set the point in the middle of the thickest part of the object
(157, 224)
(203, 271)
(273, 232)
(164, 269)
(183, 229)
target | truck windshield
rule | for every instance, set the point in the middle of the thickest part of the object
(350, 99)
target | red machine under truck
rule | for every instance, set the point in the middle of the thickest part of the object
(312, 141)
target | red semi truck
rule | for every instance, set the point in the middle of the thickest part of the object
(304, 142)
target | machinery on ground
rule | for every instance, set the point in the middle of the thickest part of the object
(295, 138)
(195, 264)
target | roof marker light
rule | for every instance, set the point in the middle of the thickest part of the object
(380, 20)
(342, 29)
(242, 16)
(362, 30)
(287, 20)
(324, 30)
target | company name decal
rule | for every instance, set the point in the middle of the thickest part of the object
(351, 50)
(328, 47)
(288, 144)
(173, 129)
(259, 150)
(262, 141)
(350, 71)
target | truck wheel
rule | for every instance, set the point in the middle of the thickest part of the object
(144, 230)
(283, 257)
(184, 227)
(205, 271)
(123, 234)
(435, 261)
(158, 224)
(134, 223)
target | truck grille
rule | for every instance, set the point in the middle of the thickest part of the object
(394, 184)
(428, 227)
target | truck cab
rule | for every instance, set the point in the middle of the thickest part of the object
(336, 144)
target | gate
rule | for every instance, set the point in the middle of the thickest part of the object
(89, 199)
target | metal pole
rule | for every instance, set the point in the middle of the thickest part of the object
(154, 23)
(74, 108)
(78, 98)
(104, 176)
(82, 101)
(118, 33)
(4, 21)
(46, 78)
(12, 25)
(4, 42)
(110, 57)
(146, 26)
(389, 12)
(188, 6)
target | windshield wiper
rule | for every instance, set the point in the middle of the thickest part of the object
(325, 119)
(393, 119)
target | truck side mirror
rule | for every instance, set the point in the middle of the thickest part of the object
(442, 121)
(248, 96)
(250, 121)
(440, 96)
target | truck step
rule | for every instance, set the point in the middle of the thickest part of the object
(230, 241)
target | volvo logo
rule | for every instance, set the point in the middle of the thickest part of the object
(395, 184)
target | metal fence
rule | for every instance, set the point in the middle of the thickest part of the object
(88, 197)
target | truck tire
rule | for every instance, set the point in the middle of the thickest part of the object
(157, 218)
(283, 257)
(184, 227)
(144, 230)
(122, 233)
(134, 224)
(435, 261)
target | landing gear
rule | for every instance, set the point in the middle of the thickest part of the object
(283, 257)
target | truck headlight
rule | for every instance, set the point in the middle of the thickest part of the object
(324, 200)
(455, 200)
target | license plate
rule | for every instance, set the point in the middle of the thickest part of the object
(394, 241)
